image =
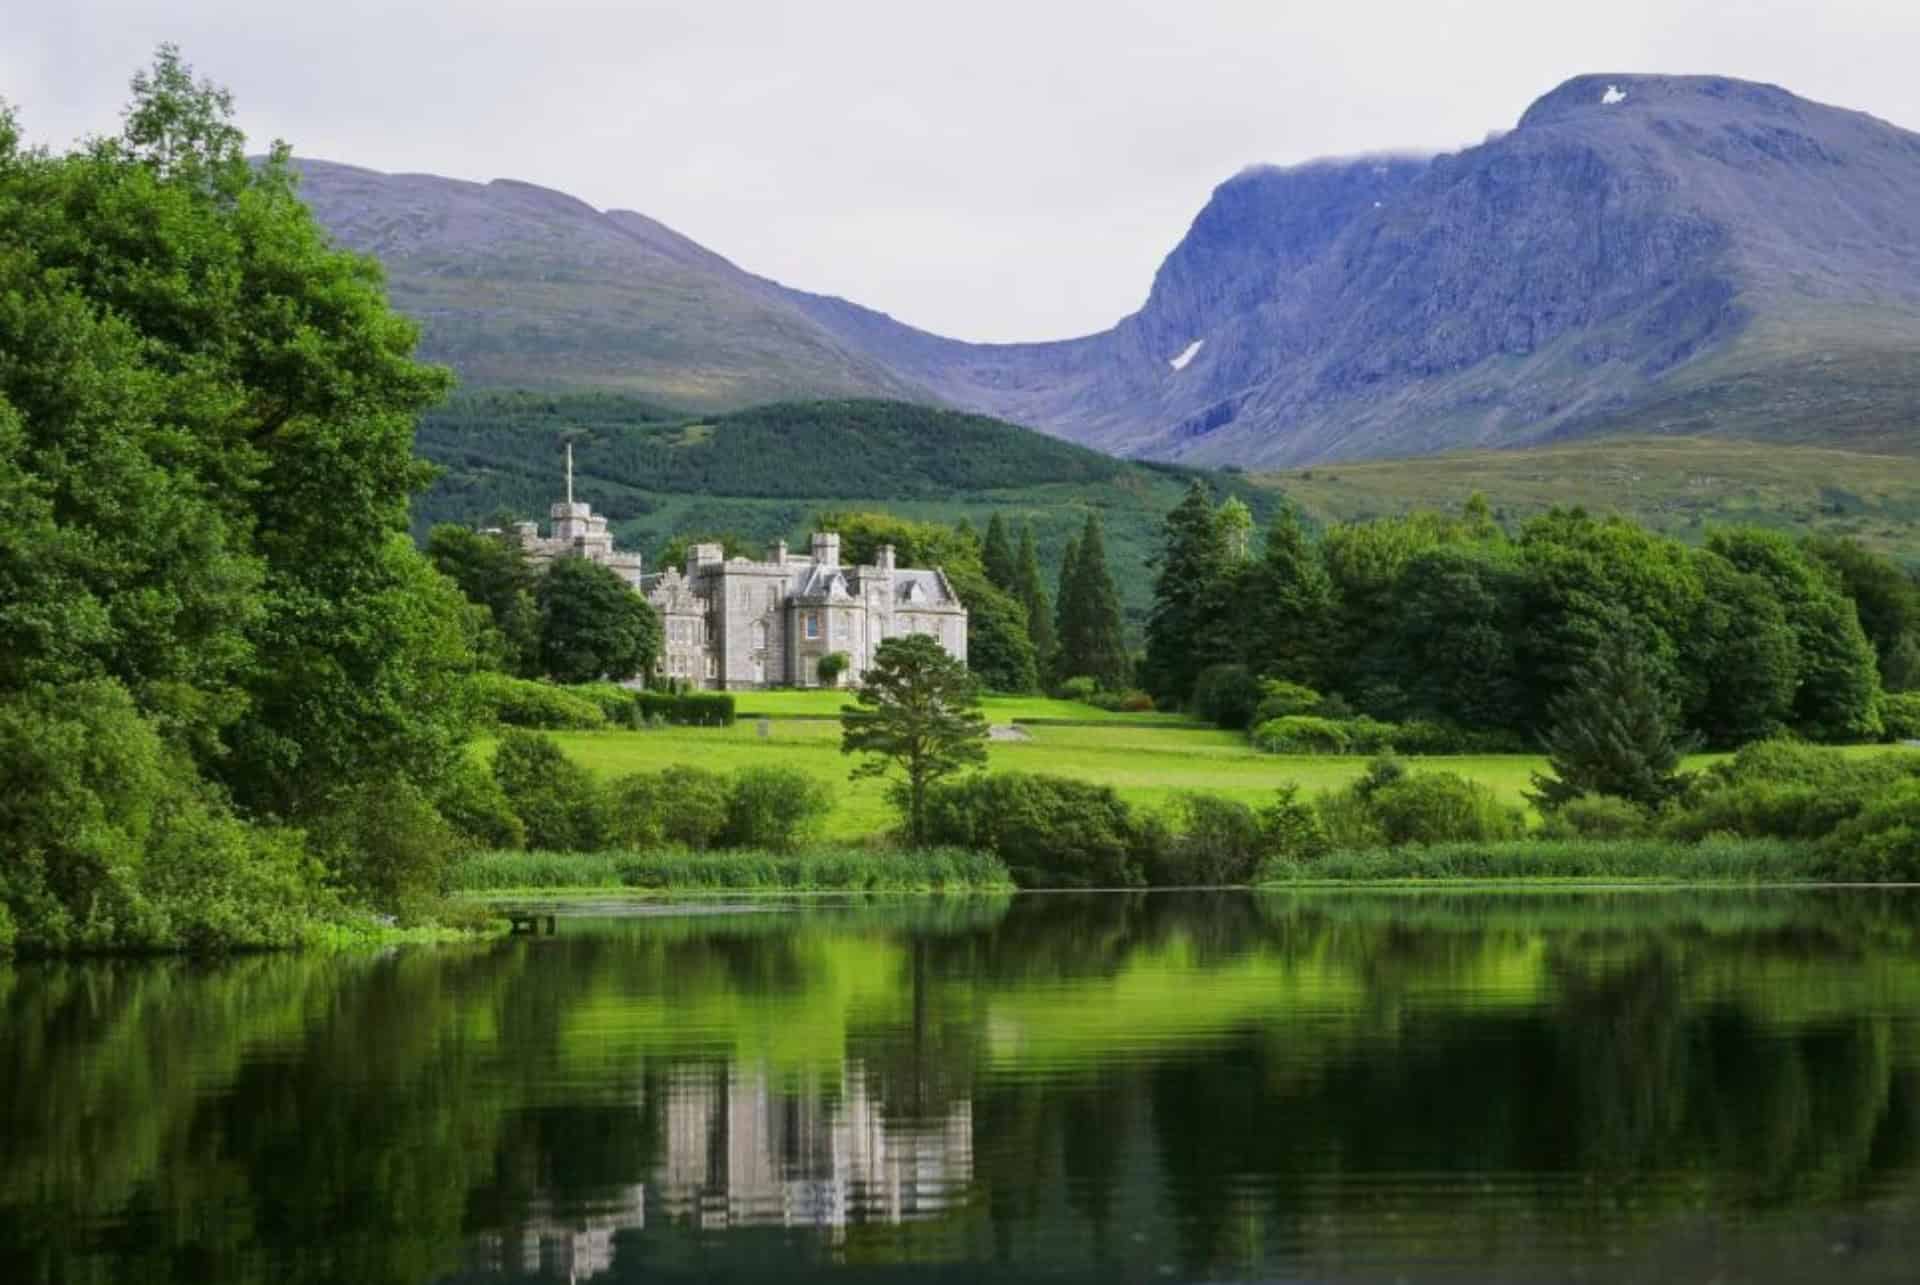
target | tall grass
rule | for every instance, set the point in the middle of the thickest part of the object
(1713, 860)
(823, 869)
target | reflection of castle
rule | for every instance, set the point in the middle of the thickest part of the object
(569, 1249)
(744, 1150)
(741, 1153)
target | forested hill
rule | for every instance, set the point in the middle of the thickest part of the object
(762, 474)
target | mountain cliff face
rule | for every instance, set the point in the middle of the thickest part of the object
(1662, 253)
(1665, 254)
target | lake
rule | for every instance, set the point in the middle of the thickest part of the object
(1328, 1087)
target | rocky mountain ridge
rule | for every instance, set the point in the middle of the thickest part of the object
(1652, 253)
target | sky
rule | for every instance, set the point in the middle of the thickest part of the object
(990, 170)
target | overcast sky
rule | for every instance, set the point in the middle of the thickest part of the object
(987, 169)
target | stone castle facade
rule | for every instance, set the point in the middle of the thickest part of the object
(734, 623)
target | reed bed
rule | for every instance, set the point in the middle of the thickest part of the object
(815, 869)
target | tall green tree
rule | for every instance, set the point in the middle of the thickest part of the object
(1837, 693)
(918, 714)
(239, 400)
(996, 556)
(1092, 634)
(999, 650)
(1885, 598)
(1290, 608)
(1744, 657)
(493, 572)
(1186, 629)
(1612, 731)
(593, 625)
(1069, 572)
(1031, 590)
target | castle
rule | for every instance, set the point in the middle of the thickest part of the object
(733, 623)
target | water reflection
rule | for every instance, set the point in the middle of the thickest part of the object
(1336, 1087)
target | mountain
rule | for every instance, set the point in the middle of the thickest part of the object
(1642, 254)
(518, 285)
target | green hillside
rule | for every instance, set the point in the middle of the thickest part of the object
(763, 473)
(1681, 486)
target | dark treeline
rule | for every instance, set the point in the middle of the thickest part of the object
(1455, 621)
(796, 450)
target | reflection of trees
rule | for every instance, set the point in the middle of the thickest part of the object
(1231, 1076)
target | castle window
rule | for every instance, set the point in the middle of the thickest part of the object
(711, 670)
(813, 624)
(840, 628)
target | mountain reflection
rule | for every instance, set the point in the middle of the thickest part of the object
(1117, 1087)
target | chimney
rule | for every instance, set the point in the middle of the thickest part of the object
(780, 552)
(826, 548)
(886, 557)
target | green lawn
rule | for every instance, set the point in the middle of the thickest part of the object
(790, 703)
(1147, 764)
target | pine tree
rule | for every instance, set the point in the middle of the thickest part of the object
(1032, 592)
(996, 557)
(1183, 633)
(1295, 607)
(1611, 732)
(1063, 590)
(1092, 637)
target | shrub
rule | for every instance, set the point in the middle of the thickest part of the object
(619, 704)
(521, 702)
(774, 807)
(1900, 716)
(7, 931)
(689, 709)
(682, 805)
(222, 884)
(1050, 831)
(1882, 843)
(1281, 699)
(1132, 700)
(1082, 689)
(1226, 695)
(634, 811)
(1597, 816)
(477, 808)
(1441, 807)
(1291, 828)
(555, 798)
(830, 666)
(383, 843)
(1301, 734)
(1346, 820)
(1213, 841)
(1784, 789)
(692, 806)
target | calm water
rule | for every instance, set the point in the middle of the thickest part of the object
(1360, 1087)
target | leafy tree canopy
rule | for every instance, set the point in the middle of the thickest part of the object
(919, 714)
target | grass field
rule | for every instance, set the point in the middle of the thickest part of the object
(1681, 486)
(1148, 764)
